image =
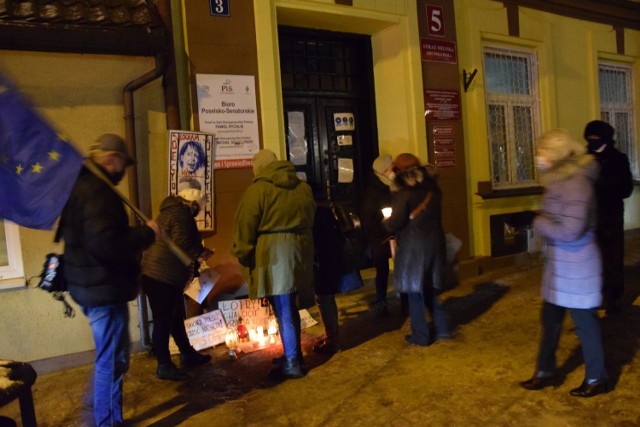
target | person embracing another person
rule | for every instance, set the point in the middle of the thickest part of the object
(572, 275)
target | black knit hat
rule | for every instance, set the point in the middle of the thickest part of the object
(598, 129)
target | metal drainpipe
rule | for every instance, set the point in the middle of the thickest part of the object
(130, 138)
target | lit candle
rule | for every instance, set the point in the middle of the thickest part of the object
(273, 327)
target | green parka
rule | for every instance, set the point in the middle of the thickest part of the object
(272, 231)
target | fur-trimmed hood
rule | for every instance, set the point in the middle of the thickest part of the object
(566, 156)
(570, 166)
(415, 176)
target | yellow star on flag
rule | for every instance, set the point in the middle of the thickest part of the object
(18, 169)
(54, 155)
(36, 168)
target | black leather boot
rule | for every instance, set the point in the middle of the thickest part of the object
(590, 390)
(168, 371)
(291, 369)
(538, 383)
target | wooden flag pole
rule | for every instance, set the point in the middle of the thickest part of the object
(177, 251)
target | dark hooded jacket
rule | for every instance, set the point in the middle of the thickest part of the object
(101, 251)
(179, 225)
(421, 250)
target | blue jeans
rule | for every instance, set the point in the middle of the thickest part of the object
(288, 318)
(588, 331)
(110, 327)
(418, 317)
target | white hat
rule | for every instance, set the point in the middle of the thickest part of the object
(190, 194)
(190, 189)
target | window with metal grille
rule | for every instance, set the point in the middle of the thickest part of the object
(322, 64)
(617, 107)
(513, 118)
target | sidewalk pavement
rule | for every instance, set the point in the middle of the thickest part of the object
(377, 379)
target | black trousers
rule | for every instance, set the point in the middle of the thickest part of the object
(167, 307)
(611, 242)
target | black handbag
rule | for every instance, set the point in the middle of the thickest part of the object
(52, 276)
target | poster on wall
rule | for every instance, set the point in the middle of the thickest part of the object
(191, 157)
(227, 108)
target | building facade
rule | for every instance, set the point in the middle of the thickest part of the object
(465, 84)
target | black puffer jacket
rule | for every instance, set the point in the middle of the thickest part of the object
(421, 250)
(159, 262)
(101, 251)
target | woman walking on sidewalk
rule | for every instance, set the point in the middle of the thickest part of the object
(572, 276)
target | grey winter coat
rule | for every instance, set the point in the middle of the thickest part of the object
(272, 231)
(159, 262)
(421, 250)
(572, 271)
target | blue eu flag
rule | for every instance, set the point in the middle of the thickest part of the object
(37, 168)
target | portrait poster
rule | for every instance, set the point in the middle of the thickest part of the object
(227, 107)
(191, 166)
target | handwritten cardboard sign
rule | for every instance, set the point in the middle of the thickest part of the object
(252, 312)
(206, 330)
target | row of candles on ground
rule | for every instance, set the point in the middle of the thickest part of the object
(241, 333)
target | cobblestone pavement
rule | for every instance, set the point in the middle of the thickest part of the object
(377, 379)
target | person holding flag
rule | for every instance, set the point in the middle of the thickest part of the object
(102, 264)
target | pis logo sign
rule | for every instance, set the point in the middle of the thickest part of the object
(226, 87)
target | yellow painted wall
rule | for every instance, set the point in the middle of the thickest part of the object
(81, 96)
(568, 51)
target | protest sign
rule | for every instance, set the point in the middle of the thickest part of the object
(206, 330)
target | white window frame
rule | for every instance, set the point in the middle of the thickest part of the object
(12, 273)
(608, 112)
(509, 102)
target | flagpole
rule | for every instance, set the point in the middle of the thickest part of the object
(177, 250)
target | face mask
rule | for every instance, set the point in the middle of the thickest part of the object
(116, 177)
(594, 144)
(542, 163)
